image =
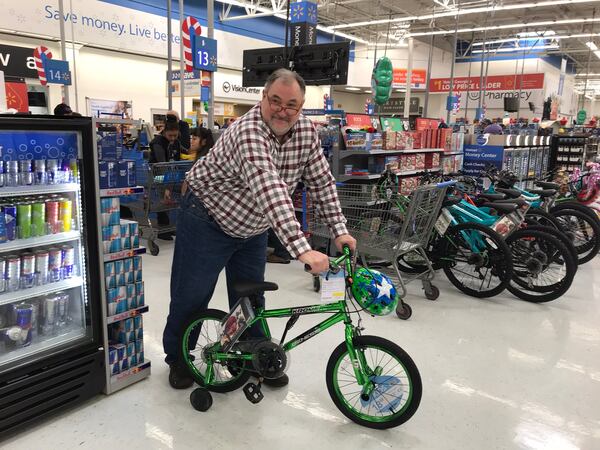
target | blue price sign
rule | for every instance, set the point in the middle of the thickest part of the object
(205, 54)
(57, 71)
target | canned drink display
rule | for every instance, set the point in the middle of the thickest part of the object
(65, 171)
(24, 317)
(139, 346)
(13, 272)
(74, 169)
(41, 266)
(130, 291)
(109, 268)
(111, 168)
(127, 265)
(130, 349)
(24, 220)
(40, 171)
(119, 267)
(125, 364)
(10, 218)
(137, 263)
(27, 270)
(132, 302)
(112, 354)
(52, 171)
(124, 229)
(110, 281)
(38, 218)
(35, 317)
(2, 174)
(12, 174)
(55, 263)
(120, 348)
(3, 286)
(120, 279)
(63, 309)
(66, 213)
(139, 287)
(133, 361)
(53, 215)
(25, 172)
(138, 322)
(138, 334)
(128, 325)
(115, 368)
(121, 305)
(138, 276)
(68, 261)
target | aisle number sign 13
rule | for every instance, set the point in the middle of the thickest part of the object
(205, 54)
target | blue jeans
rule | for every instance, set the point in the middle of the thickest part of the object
(202, 251)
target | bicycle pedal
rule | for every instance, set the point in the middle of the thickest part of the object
(253, 392)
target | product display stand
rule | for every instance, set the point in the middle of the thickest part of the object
(123, 296)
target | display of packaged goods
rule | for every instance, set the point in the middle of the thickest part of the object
(407, 162)
(40, 172)
(403, 140)
(445, 139)
(355, 140)
(389, 139)
(417, 139)
(374, 141)
(35, 319)
(126, 174)
(419, 161)
(432, 160)
(392, 163)
(408, 185)
(458, 140)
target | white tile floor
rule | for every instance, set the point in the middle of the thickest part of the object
(497, 374)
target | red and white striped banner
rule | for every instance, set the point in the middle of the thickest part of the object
(189, 24)
(39, 64)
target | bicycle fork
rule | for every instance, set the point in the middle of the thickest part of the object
(362, 371)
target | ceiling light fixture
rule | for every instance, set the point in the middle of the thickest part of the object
(463, 12)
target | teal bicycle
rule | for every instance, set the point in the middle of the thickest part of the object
(371, 380)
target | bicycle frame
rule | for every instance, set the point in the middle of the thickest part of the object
(341, 314)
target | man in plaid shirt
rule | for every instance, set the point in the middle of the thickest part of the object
(241, 189)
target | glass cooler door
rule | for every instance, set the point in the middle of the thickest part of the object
(44, 305)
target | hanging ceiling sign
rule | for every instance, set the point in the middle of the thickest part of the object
(528, 81)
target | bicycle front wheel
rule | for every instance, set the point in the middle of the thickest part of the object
(395, 391)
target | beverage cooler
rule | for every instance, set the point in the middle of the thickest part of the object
(51, 347)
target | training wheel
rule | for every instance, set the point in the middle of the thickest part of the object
(201, 399)
(403, 311)
(432, 293)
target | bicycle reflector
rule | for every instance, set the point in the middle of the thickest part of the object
(374, 291)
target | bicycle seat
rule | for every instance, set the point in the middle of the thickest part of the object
(547, 185)
(492, 197)
(543, 192)
(511, 193)
(248, 288)
(502, 208)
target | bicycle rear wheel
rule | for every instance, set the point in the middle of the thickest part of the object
(583, 231)
(543, 268)
(396, 387)
(476, 260)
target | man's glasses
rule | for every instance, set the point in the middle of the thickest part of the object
(277, 106)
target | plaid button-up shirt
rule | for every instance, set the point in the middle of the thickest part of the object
(247, 179)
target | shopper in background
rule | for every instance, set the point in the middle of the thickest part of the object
(225, 124)
(184, 130)
(493, 128)
(202, 141)
(62, 109)
(236, 193)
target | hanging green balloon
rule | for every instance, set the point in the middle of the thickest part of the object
(205, 106)
(381, 80)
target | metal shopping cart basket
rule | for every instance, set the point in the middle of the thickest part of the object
(386, 226)
(162, 195)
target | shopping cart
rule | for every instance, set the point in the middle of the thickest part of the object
(386, 226)
(162, 194)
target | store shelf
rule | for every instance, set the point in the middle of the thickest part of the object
(37, 291)
(358, 177)
(127, 314)
(50, 239)
(347, 153)
(38, 189)
(118, 192)
(415, 172)
(124, 254)
(130, 376)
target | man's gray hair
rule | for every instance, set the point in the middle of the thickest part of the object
(286, 76)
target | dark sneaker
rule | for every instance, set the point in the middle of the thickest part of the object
(277, 259)
(179, 377)
(282, 381)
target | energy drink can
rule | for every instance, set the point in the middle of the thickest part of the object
(25, 172)
(12, 174)
(65, 168)
(24, 220)
(115, 368)
(53, 215)
(27, 270)
(66, 213)
(120, 348)
(24, 317)
(139, 346)
(52, 171)
(13, 272)
(63, 309)
(3, 286)
(138, 334)
(112, 354)
(40, 172)
(74, 169)
(127, 265)
(55, 263)
(130, 288)
(38, 218)
(138, 322)
(50, 306)
(125, 364)
(68, 261)
(2, 174)
(41, 266)
(133, 361)
(10, 218)
(112, 174)
(128, 325)
(137, 263)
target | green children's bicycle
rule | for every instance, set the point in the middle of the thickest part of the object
(371, 380)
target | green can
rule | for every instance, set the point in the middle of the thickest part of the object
(24, 219)
(38, 218)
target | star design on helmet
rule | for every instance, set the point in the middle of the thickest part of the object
(385, 289)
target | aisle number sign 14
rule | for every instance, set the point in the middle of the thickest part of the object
(57, 72)
(205, 54)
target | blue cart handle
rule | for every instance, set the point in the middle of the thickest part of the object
(446, 184)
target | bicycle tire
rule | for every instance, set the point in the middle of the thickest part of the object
(538, 216)
(564, 239)
(184, 354)
(499, 258)
(524, 290)
(589, 232)
(574, 204)
(406, 363)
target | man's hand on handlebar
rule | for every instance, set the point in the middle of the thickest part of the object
(317, 261)
(345, 239)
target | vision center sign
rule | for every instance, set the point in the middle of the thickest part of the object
(229, 86)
